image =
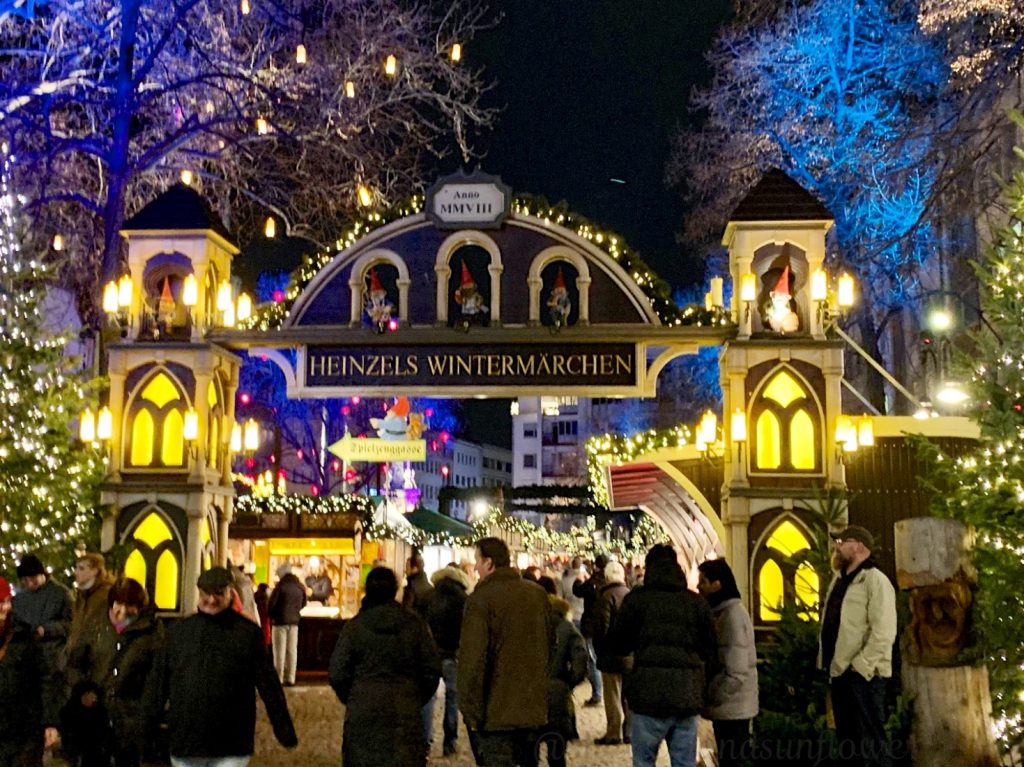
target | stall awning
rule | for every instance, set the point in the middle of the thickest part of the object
(432, 522)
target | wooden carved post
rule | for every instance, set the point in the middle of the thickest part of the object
(952, 710)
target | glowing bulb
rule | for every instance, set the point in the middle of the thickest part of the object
(865, 431)
(456, 52)
(110, 294)
(364, 195)
(300, 54)
(224, 296)
(261, 126)
(104, 424)
(186, 177)
(190, 290)
(236, 438)
(748, 287)
(739, 425)
(190, 430)
(244, 308)
(350, 89)
(245, 7)
(819, 285)
(229, 316)
(87, 426)
(252, 435)
(124, 291)
(58, 242)
(270, 228)
(845, 290)
(391, 65)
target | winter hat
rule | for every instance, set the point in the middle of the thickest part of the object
(5, 589)
(215, 580)
(614, 573)
(856, 533)
(559, 279)
(782, 286)
(375, 282)
(30, 565)
(467, 278)
(452, 574)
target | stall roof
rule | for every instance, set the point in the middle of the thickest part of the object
(432, 522)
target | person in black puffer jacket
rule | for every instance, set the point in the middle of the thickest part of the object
(384, 668)
(210, 668)
(668, 630)
(140, 636)
(444, 616)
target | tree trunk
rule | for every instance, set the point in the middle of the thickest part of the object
(930, 551)
(952, 716)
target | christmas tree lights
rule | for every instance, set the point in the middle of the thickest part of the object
(47, 478)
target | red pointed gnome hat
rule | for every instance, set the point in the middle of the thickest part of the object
(559, 279)
(375, 282)
(401, 407)
(165, 294)
(782, 286)
(467, 278)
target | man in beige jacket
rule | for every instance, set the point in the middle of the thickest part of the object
(857, 634)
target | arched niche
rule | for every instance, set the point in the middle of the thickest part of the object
(779, 571)
(165, 316)
(152, 538)
(360, 274)
(153, 422)
(443, 270)
(535, 279)
(769, 263)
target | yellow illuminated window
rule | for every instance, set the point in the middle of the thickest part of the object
(211, 395)
(211, 451)
(772, 592)
(204, 532)
(807, 587)
(784, 390)
(769, 441)
(160, 390)
(172, 451)
(801, 441)
(165, 592)
(207, 561)
(788, 540)
(142, 439)
(135, 567)
(152, 531)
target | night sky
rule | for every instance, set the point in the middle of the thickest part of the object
(591, 90)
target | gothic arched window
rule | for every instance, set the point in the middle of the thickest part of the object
(787, 429)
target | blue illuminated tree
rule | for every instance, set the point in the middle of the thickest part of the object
(854, 102)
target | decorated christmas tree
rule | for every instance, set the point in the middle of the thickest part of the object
(47, 477)
(988, 482)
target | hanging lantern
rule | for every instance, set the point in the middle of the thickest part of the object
(87, 426)
(845, 290)
(391, 65)
(58, 242)
(190, 291)
(236, 438)
(300, 54)
(229, 316)
(350, 89)
(244, 309)
(708, 302)
(110, 295)
(104, 424)
(190, 429)
(124, 291)
(846, 433)
(456, 52)
(707, 431)
(261, 126)
(739, 425)
(224, 296)
(270, 228)
(186, 177)
(819, 285)
(717, 291)
(865, 431)
(748, 287)
(365, 195)
(245, 7)
(252, 435)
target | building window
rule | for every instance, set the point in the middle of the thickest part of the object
(529, 431)
(787, 431)
(782, 578)
(529, 461)
(157, 425)
(154, 560)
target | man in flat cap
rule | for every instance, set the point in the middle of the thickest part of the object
(855, 647)
(209, 670)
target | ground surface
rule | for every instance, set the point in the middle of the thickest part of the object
(318, 719)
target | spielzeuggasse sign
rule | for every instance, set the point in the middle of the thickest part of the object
(493, 365)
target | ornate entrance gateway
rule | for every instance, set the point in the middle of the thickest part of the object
(473, 296)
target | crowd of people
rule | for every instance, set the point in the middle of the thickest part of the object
(98, 672)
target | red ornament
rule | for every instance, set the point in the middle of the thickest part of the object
(278, 296)
(314, 490)
(346, 410)
(244, 398)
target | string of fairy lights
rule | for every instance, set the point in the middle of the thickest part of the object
(45, 477)
(605, 450)
(272, 315)
(579, 540)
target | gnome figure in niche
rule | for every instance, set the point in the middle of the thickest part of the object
(559, 305)
(779, 310)
(469, 298)
(377, 306)
(165, 309)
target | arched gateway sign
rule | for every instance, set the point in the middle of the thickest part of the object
(472, 298)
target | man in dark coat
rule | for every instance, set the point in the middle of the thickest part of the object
(285, 608)
(210, 668)
(416, 595)
(669, 632)
(91, 639)
(384, 668)
(503, 660)
(28, 703)
(611, 665)
(588, 591)
(444, 616)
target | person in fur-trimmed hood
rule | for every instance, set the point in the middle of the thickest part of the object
(444, 616)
